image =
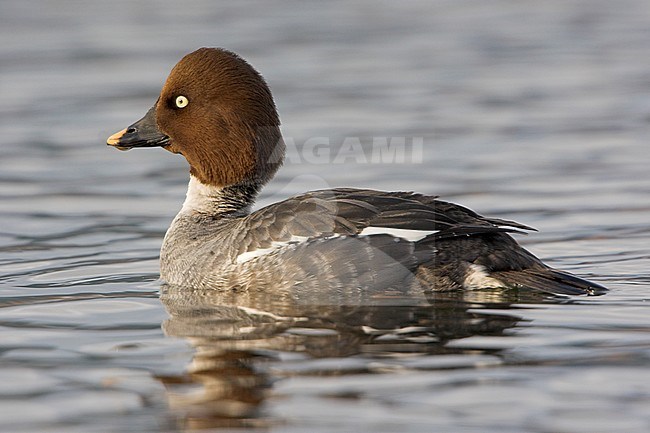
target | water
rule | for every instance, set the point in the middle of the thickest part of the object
(534, 111)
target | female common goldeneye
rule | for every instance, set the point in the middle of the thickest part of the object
(217, 111)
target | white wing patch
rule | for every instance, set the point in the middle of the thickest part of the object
(250, 255)
(477, 277)
(408, 234)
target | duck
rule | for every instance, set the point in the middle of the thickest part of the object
(217, 111)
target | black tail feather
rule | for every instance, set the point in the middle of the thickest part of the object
(550, 281)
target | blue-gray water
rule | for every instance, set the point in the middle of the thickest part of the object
(528, 110)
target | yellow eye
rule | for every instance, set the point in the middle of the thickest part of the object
(182, 101)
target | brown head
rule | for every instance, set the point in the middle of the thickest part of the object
(218, 112)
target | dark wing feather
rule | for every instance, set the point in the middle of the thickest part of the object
(348, 211)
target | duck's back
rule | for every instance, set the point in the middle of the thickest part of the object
(355, 241)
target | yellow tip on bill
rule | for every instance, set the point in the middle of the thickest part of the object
(114, 139)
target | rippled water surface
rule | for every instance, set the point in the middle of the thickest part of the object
(533, 111)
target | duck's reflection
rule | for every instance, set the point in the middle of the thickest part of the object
(237, 336)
